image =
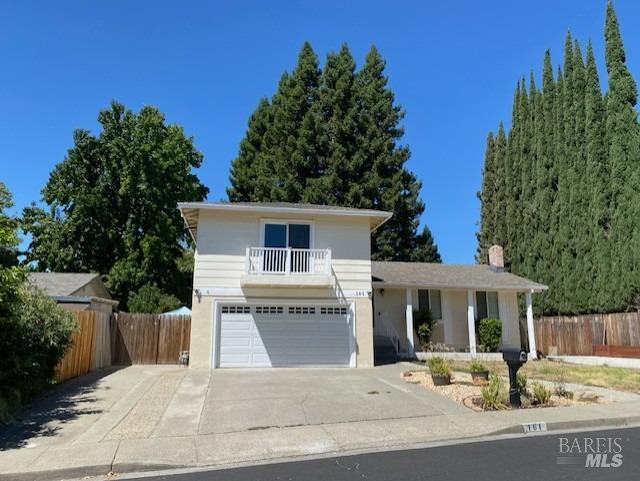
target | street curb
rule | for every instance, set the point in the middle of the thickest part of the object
(133, 470)
(569, 425)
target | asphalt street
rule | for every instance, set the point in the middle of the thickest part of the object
(526, 458)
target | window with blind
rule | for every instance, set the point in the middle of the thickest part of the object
(487, 303)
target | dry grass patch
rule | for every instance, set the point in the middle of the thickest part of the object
(463, 391)
(619, 378)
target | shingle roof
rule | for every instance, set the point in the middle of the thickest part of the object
(61, 283)
(462, 276)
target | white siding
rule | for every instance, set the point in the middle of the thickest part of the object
(222, 243)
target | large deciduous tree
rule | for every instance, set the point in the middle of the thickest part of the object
(332, 136)
(112, 204)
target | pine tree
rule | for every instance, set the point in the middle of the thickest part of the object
(276, 156)
(338, 121)
(380, 177)
(245, 172)
(332, 137)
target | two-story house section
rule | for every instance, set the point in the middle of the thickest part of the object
(278, 284)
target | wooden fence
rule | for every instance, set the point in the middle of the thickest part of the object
(104, 340)
(150, 338)
(90, 345)
(577, 335)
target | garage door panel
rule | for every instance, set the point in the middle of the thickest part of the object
(284, 337)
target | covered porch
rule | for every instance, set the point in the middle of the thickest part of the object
(457, 297)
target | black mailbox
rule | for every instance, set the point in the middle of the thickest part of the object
(515, 358)
(514, 354)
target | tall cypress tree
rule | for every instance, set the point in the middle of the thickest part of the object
(545, 179)
(487, 197)
(578, 285)
(597, 265)
(579, 152)
(623, 156)
(501, 196)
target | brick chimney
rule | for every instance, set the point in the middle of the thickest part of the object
(496, 258)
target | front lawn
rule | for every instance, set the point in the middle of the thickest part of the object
(603, 376)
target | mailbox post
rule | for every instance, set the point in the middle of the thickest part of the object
(515, 358)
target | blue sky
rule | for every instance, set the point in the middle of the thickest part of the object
(453, 67)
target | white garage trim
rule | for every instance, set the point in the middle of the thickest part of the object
(218, 304)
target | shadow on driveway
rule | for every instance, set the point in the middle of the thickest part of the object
(58, 406)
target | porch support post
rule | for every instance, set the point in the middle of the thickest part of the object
(409, 317)
(531, 334)
(471, 323)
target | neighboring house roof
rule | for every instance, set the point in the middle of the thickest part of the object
(191, 211)
(461, 276)
(61, 283)
(83, 300)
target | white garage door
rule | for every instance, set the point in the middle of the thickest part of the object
(280, 335)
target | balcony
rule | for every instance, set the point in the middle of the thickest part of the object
(286, 266)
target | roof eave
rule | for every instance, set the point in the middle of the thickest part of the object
(378, 217)
(416, 285)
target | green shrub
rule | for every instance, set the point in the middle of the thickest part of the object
(33, 341)
(540, 395)
(490, 333)
(477, 366)
(521, 381)
(493, 394)
(425, 326)
(439, 366)
(151, 299)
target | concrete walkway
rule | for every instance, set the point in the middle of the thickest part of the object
(149, 417)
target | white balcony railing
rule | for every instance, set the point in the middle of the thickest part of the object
(288, 261)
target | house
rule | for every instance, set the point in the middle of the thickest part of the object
(75, 291)
(279, 284)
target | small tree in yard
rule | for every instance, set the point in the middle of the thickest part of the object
(490, 333)
(152, 300)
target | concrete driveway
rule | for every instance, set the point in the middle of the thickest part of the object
(154, 417)
(241, 400)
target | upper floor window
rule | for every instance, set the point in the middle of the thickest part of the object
(487, 302)
(287, 234)
(429, 299)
